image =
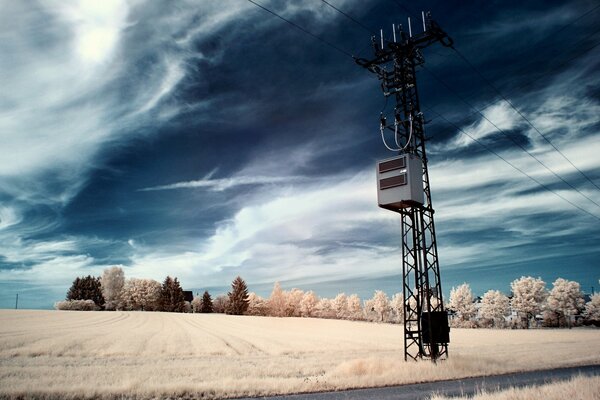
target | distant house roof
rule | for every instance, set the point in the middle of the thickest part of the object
(188, 295)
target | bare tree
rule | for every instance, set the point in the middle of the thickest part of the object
(461, 301)
(308, 305)
(565, 299)
(494, 307)
(528, 299)
(112, 282)
(355, 310)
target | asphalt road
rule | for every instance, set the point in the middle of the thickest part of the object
(468, 386)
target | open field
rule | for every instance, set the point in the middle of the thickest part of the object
(580, 388)
(73, 354)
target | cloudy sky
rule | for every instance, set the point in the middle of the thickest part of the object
(205, 139)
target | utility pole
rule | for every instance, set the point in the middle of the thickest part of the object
(403, 185)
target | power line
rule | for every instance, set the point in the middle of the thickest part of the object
(440, 115)
(490, 84)
(530, 82)
(328, 43)
(557, 67)
(514, 166)
(366, 28)
(508, 136)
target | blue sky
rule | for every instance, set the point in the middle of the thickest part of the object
(207, 139)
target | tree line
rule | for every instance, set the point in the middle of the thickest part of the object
(563, 305)
(530, 304)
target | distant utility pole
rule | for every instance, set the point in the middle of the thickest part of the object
(17, 302)
(403, 185)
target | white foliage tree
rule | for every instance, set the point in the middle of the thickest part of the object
(381, 305)
(355, 310)
(565, 299)
(292, 302)
(76, 305)
(112, 282)
(461, 301)
(197, 304)
(308, 305)
(140, 295)
(529, 295)
(256, 305)
(592, 308)
(220, 304)
(494, 307)
(397, 305)
(325, 309)
(369, 310)
(340, 305)
(277, 301)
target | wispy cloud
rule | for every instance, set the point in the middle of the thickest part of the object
(227, 183)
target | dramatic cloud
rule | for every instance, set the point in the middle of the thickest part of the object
(210, 139)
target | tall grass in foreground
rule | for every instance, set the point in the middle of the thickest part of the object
(578, 388)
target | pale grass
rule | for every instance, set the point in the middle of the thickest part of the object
(71, 354)
(578, 388)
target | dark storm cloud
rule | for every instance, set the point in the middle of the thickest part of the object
(206, 139)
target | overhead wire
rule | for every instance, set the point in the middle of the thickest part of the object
(503, 97)
(440, 115)
(461, 130)
(527, 120)
(490, 84)
(328, 43)
(530, 82)
(461, 98)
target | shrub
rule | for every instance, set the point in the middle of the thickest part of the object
(76, 305)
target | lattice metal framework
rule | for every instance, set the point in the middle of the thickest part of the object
(395, 65)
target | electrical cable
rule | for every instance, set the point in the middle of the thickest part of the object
(490, 84)
(366, 28)
(506, 135)
(514, 166)
(328, 43)
(529, 82)
(440, 115)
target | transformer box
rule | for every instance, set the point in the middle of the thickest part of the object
(400, 182)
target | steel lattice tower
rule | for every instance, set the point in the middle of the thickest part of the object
(395, 64)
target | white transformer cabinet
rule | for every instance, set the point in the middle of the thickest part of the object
(400, 182)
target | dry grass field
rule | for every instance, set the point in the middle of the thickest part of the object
(579, 388)
(70, 354)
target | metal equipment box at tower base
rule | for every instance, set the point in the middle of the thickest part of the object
(400, 182)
